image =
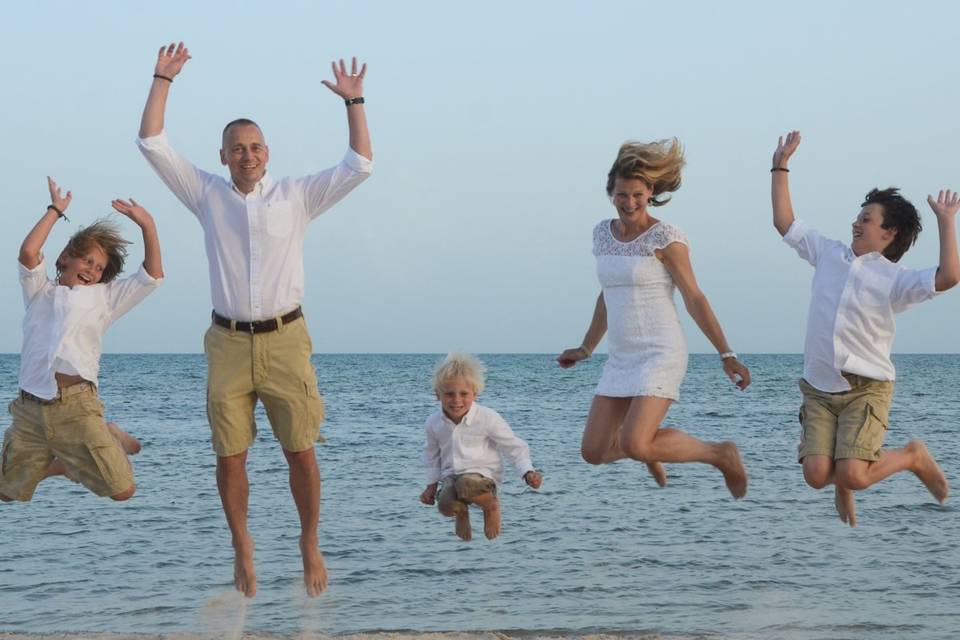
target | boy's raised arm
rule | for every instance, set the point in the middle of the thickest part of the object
(945, 208)
(170, 61)
(151, 241)
(780, 184)
(32, 246)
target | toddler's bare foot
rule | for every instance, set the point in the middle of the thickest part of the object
(929, 472)
(129, 444)
(314, 568)
(846, 507)
(462, 524)
(658, 472)
(491, 519)
(244, 576)
(734, 473)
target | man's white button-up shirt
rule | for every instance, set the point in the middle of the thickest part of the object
(63, 327)
(475, 445)
(254, 242)
(850, 325)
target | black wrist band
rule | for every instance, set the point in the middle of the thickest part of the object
(157, 75)
(60, 214)
(784, 169)
(351, 101)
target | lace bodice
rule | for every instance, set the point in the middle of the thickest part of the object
(656, 237)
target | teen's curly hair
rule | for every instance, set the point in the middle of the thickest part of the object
(105, 234)
(657, 163)
(900, 214)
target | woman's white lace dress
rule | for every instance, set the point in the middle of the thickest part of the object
(647, 350)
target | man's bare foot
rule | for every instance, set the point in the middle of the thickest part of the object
(929, 472)
(462, 524)
(734, 473)
(658, 472)
(491, 518)
(130, 445)
(244, 577)
(314, 568)
(846, 507)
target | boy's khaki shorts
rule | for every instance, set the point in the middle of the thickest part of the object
(849, 424)
(273, 367)
(463, 488)
(70, 427)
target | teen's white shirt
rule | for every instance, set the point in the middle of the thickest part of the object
(850, 324)
(474, 445)
(254, 242)
(63, 327)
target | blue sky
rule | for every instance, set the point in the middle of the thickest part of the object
(493, 127)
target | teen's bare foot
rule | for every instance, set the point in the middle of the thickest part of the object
(731, 466)
(846, 507)
(130, 445)
(244, 577)
(929, 472)
(658, 472)
(462, 524)
(314, 568)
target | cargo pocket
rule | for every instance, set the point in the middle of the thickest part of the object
(872, 432)
(113, 471)
(316, 411)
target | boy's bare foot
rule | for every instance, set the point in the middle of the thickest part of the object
(314, 568)
(927, 469)
(462, 524)
(491, 518)
(244, 577)
(734, 473)
(846, 507)
(658, 472)
(130, 445)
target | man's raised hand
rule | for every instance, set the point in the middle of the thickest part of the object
(348, 85)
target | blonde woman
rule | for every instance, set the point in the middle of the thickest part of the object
(640, 261)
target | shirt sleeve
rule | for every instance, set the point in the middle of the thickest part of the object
(805, 241)
(186, 181)
(125, 293)
(33, 281)
(325, 189)
(510, 446)
(431, 455)
(913, 286)
(668, 234)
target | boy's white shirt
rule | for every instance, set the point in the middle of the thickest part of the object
(474, 445)
(850, 324)
(63, 327)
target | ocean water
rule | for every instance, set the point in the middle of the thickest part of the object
(596, 550)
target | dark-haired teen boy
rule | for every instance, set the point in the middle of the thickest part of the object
(848, 377)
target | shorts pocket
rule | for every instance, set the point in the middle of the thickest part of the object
(872, 432)
(113, 473)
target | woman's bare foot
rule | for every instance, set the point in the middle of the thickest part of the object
(734, 473)
(846, 507)
(929, 472)
(314, 568)
(658, 472)
(130, 445)
(244, 576)
(462, 524)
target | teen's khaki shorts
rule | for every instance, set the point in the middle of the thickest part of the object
(849, 424)
(70, 427)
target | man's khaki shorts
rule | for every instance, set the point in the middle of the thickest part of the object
(463, 488)
(849, 424)
(70, 427)
(273, 367)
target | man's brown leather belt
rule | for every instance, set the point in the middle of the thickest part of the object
(257, 326)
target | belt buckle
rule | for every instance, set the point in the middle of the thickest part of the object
(252, 327)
